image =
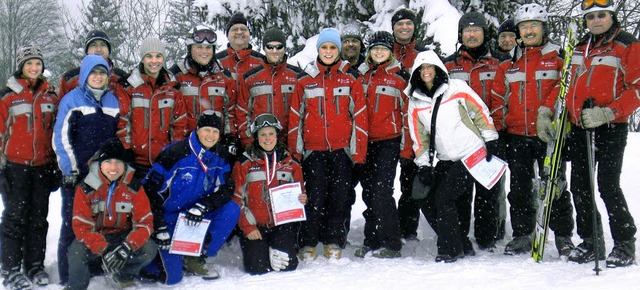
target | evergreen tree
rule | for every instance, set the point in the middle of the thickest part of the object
(182, 17)
(104, 15)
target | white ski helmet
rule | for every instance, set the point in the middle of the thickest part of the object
(201, 34)
(589, 6)
(532, 11)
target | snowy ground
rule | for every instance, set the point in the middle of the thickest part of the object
(416, 269)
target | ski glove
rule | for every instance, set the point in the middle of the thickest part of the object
(4, 184)
(425, 174)
(70, 181)
(231, 142)
(195, 214)
(279, 260)
(494, 148)
(544, 126)
(162, 238)
(115, 260)
(596, 116)
(404, 162)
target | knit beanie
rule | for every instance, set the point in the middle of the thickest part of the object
(28, 52)
(403, 14)
(152, 44)
(329, 35)
(351, 31)
(209, 118)
(274, 34)
(380, 38)
(96, 35)
(112, 149)
(237, 18)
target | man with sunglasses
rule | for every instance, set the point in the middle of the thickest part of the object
(267, 88)
(519, 89)
(204, 84)
(605, 68)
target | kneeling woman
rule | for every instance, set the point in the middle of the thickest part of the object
(265, 164)
(448, 118)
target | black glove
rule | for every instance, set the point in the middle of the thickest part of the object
(232, 147)
(4, 184)
(55, 181)
(404, 162)
(115, 260)
(494, 148)
(162, 238)
(425, 174)
(195, 214)
(70, 181)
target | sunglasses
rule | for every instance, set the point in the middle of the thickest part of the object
(200, 36)
(278, 46)
(592, 16)
(586, 4)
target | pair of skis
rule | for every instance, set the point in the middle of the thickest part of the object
(550, 185)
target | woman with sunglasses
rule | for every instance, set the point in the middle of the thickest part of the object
(266, 164)
(605, 68)
(385, 80)
(28, 170)
(267, 88)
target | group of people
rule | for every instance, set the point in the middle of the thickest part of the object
(135, 153)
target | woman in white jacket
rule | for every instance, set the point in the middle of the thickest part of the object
(462, 125)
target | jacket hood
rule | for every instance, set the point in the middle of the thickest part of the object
(88, 63)
(429, 57)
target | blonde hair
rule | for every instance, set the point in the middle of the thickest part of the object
(369, 60)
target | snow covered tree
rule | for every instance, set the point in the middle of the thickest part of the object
(18, 26)
(103, 15)
(182, 16)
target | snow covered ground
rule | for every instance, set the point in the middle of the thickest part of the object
(416, 269)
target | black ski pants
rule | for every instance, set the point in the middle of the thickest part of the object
(611, 141)
(255, 253)
(408, 208)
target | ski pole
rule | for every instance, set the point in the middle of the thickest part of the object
(591, 150)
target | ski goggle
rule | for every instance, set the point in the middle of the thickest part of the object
(265, 120)
(200, 36)
(586, 4)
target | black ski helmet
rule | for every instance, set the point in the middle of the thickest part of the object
(473, 18)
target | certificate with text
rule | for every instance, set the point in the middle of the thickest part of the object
(285, 205)
(487, 173)
(188, 240)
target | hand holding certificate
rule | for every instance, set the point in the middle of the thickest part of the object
(487, 173)
(188, 240)
(285, 205)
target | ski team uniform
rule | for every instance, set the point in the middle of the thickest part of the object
(267, 88)
(214, 90)
(186, 173)
(519, 89)
(252, 174)
(606, 70)
(28, 111)
(386, 103)
(328, 127)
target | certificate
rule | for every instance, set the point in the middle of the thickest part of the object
(285, 205)
(487, 173)
(188, 240)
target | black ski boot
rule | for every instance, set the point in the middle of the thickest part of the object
(519, 245)
(584, 252)
(623, 254)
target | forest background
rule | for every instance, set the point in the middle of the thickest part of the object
(59, 27)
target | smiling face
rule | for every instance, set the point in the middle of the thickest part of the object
(328, 52)
(98, 78)
(531, 32)
(202, 53)
(274, 51)
(153, 63)
(239, 36)
(208, 136)
(112, 168)
(507, 40)
(380, 54)
(403, 31)
(351, 48)
(267, 138)
(32, 69)
(98, 47)
(428, 74)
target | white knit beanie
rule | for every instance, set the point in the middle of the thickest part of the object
(152, 44)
